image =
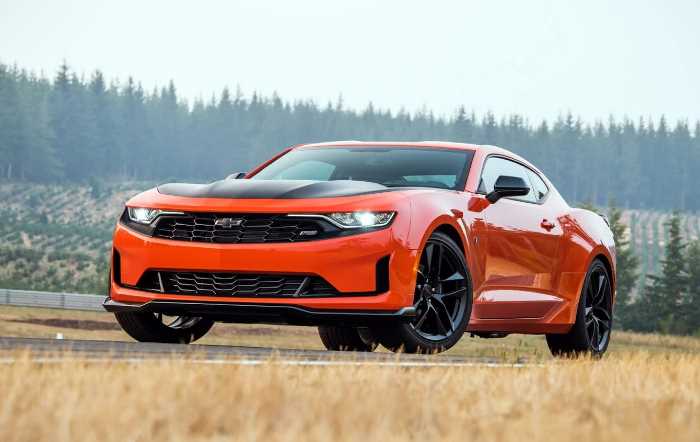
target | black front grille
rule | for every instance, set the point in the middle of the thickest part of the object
(235, 284)
(240, 228)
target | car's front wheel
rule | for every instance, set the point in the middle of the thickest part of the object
(590, 334)
(343, 338)
(156, 327)
(443, 301)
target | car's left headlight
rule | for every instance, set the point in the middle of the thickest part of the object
(143, 219)
(361, 219)
(143, 215)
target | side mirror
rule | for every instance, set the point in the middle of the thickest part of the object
(508, 186)
(237, 176)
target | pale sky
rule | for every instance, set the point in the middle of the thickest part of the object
(538, 58)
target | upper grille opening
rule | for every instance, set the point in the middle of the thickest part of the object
(240, 228)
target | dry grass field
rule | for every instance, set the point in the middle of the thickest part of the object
(646, 389)
(627, 396)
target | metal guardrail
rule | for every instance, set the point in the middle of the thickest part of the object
(66, 301)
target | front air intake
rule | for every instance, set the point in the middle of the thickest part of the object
(235, 284)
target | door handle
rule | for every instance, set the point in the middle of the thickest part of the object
(547, 225)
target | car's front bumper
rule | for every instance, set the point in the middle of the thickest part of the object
(348, 263)
(261, 313)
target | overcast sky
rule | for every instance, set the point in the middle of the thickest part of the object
(539, 58)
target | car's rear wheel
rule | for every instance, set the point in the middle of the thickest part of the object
(590, 334)
(443, 301)
(156, 327)
(340, 338)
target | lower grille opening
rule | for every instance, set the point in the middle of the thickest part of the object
(235, 284)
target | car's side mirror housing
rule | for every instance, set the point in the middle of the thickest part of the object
(237, 176)
(508, 186)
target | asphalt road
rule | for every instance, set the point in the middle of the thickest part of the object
(57, 349)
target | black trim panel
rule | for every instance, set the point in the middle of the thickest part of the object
(116, 266)
(382, 275)
(261, 313)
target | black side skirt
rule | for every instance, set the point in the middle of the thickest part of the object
(262, 313)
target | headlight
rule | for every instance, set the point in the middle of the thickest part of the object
(143, 215)
(361, 219)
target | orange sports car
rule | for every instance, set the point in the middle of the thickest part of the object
(407, 245)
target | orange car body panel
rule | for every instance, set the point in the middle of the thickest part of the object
(525, 278)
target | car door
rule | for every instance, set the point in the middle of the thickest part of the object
(522, 241)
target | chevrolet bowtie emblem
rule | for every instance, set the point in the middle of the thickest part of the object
(227, 223)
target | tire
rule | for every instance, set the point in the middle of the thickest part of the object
(590, 334)
(440, 302)
(149, 327)
(346, 338)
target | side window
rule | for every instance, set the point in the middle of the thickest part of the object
(495, 167)
(538, 186)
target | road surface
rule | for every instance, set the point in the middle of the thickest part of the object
(57, 349)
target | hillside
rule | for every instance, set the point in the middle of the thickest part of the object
(58, 237)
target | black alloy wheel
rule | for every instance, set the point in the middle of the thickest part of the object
(344, 338)
(177, 322)
(441, 286)
(442, 298)
(598, 309)
(591, 332)
(156, 327)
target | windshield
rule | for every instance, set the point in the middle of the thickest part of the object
(391, 167)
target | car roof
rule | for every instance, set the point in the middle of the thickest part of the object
(354, 143)
(483, 149)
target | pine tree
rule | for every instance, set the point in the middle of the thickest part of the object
(102, 105)
(12, 131)
(680, 173)
(691, 307)
(627, 158)
(627, 265)
(38, 159)
(489, 129)
(463, 127)
(658, 308)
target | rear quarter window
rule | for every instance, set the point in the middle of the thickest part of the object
(538, 186)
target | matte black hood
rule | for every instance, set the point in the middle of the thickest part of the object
(272, 189)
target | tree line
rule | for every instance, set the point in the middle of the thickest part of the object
(670, 302)
(77, 129)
